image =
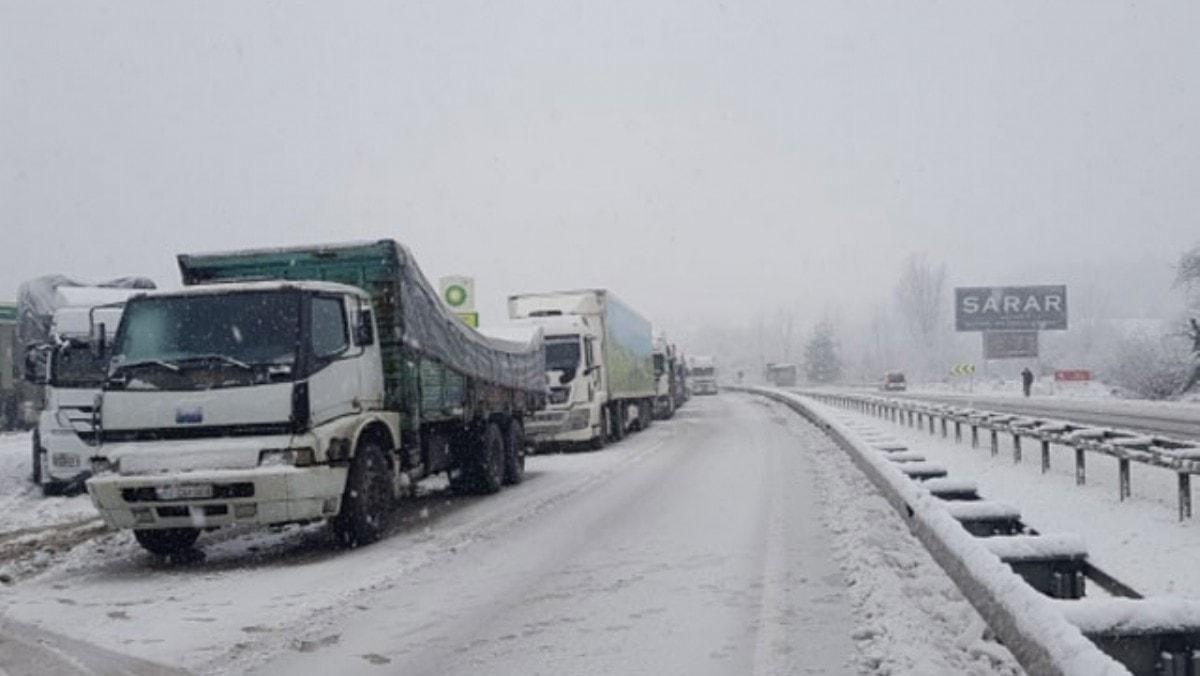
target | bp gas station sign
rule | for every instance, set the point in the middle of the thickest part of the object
(458, 293)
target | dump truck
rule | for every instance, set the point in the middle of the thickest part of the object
(298, 384)
(600, 366)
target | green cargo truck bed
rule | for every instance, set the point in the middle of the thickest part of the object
(428, 353)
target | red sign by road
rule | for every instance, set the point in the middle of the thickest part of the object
(1072, 375)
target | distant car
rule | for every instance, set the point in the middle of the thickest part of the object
(893, 381)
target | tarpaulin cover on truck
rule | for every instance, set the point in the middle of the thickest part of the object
(408, 308)
(38, 298)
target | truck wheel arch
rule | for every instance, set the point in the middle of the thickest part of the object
(377, 429)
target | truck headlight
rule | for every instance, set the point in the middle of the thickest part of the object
(64, 460)
(277, 457)
(102, 465)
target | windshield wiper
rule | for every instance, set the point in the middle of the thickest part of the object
(148, 362)
(223, 358)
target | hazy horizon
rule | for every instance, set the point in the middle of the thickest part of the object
(707, 162)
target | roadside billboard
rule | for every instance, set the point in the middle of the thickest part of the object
(1010, 308)
(1010, 344)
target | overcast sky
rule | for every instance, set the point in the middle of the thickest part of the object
(702, 159)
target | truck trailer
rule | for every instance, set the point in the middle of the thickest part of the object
(600, 366)
(291, 385)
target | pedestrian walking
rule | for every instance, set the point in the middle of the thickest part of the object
(1027, 381)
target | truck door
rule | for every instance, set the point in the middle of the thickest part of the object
(595, 382)
(333, 386)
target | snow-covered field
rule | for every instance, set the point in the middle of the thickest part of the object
(733, 539)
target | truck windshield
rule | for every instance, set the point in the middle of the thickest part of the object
(75, 366)
(562, 354)
(232, 331)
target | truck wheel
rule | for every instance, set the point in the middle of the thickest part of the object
(167, 541)
(618, 422)
(489, 460)
(514, 456)
(601, 440)
(37, 458)
(646, 413)
(367, 502)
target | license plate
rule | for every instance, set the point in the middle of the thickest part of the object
(184, 492)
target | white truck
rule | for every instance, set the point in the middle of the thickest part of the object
(666, 379)
(322, 391)
(599, 366)
(702, 374)
(62, 361)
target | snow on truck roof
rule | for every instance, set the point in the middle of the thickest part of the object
(264, 285)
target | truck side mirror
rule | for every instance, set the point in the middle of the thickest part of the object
(99, 340)
(37, 365)
(364, 333)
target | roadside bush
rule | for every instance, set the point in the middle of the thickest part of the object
(1150, 367)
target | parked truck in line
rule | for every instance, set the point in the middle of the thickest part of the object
(782, 375)
(599, 366)
(666, 381)
(10, 394)
(59, 318)
(322, 391)
(702, 374)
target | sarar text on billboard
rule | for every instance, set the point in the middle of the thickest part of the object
(1010, 308)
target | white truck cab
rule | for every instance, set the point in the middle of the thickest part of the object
(574, 410)
(235, 403)
(65, 438)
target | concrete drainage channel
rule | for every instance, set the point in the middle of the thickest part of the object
(1031, 588)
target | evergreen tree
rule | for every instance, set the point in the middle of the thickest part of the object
(821, 361)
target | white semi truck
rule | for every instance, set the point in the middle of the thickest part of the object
(61, 320)
(599, 366)
(666, 380)
(702, 374)
(322, 391)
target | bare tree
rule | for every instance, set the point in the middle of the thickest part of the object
(1187, 276)
(920, 297)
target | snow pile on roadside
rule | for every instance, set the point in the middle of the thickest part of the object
(913, 619)
(22, 505)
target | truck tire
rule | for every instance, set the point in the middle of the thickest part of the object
(514, 454)
(37, 458)
(367, 503)
(489, 460)
(167, 541)
(618, 422)
(601, 440)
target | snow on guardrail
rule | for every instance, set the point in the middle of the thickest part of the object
(1175, 455)
(1032, 628)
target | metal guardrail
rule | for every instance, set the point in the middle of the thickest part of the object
(1023, 619)
(1180, 457)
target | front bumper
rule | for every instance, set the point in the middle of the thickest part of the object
(564, 425)
(260, 496)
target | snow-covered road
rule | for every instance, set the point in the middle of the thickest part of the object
(733, 539)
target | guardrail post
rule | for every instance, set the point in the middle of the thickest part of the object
(958, 431)
(1080, 468)
(1016, 448)
(995, 442)
(1045, 455)
(944, 432)
(974, 436)
(1123, 474)
(932, 425)
(1185, 496)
